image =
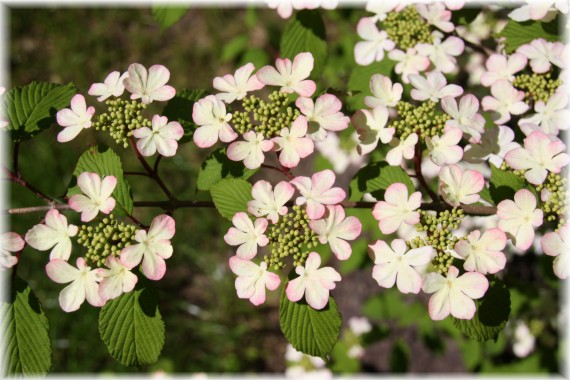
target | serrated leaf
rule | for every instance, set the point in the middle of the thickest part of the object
(377, 176)
(520, 33)
(230, 196)
(103, 161)
(492, 314)
(180, 109)
(310, 331)
(218, 166)
(26, 347)
(167, 15)
(503, 184)
(306, 33)
(132, 328)
(32, 108)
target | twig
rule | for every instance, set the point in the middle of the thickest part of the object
(419, 175)
(13, 177)
(156, 162)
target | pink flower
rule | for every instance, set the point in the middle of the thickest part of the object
(506, 101)
(247, 235)
(465, 116)
(210, 114)
(55, 233)
(163, 137)
(403, 149)
(152, 248)
(444, 149)
(384, 93)
(149, 86)
(397, 208)
(538, 10)
(397, 263)
(482, 253)
(499, 67)
(9, 242)
(251, 150)
(325, 113)
(442, 54)
(74, 120)
(542, 54)
(317, 191)
(436, 15)
(112, 86)
(374, 44)
(382, 8)
(520, 218)
(433, 87)
(293, 143)
(116, 280)
(539, 156)
(373, 129)
(557, 244)
(454, 295)
(291, 77)
(315, 284)
(335, 229)
(553, 115)
(97, 195)
(253, 279)
(458, 187)
(267, 202)
(236, 87)
(84, 283)
(410, 62)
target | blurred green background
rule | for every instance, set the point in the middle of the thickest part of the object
(208, 328)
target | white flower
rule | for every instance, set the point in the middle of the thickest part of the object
(84, 283)
(553, 115)
(442, 54)
(74, 120)
(436, 15)
(506, 101)
(523, 343)
(444, 149)
(539, 10)
(162, 137)
(116, 280)
(9, 242)
(112, 86)
(152, 248)
(520, 217)
(325, 113)
(247, 235)
(397, 208)
(494, 145)
(211, 117)
(557, 244)
(270, 203)
(410, 62)
(433, 87)
(397, 265)
(458, 187)
(314, 283)
(97, 195)
(317, 191)
(384, 93)
(291, 77)
(382, 8)
(465, 116)
(374, 44)
(149, 86)
(253, 279)
(293, 143)
(359, 325)
(542, 54)
(482, 253)
(251, 150)
(454, 295)
(55, 233)
(342, 156)
(236, 87)
(335, 229)
(402, 149)
(499, 67)
(373, 129)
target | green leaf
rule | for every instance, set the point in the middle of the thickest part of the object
(465, 16)
(378, 176)
(492, 314)
(306, 33)
(25, 348)
(180, 109)
(103, 161)
(32, 108)
(230, 196)
(359, 81)
(218, 166)
(503, 184)
(132, 328)
(167, 15)
(485, 194)
(234, 47)
(313, 332)
(520, 33)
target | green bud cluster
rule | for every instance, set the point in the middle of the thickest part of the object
(407, 28)
(121, 119)
(424, 120)
(109, 237)
(536, 86)
(506, 168)
(439, 228)
(268, 118)
(291, 235)
(555, 207)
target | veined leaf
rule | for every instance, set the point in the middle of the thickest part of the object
(230, 196)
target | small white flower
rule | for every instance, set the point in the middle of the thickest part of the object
(506, 101)
(458, 187)
(74, 120)
(247, 235)
(359, 325)
(335, 229)
(542, 54)
(317, 192)
(149, 86)
(163, 137)
(482, 253)
(371, 128)
(384, 93)
(520, 218)
(433, 87)
(211, 117)
(293, 143)
(494, 145)
(436, 15)
(397, 208)
(112, 86)
(253, 279)
(442, 53)
(553, 115)
(374, 44)
(251, 150)
(523, 343)
(500, 67)
(290, 76)
(444, 149)
(55, 233)
(324, 114)
(97, 195)
(557, 244)
(410, 62)
(9, 242)
(236, 87)
(402, 149)
(268, 202)
(465, 115)
(116, 280)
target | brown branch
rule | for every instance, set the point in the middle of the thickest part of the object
(152, 173)
(17, 178)
(286, 172)
(419, 175)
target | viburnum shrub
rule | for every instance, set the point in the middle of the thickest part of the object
(459, 178)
